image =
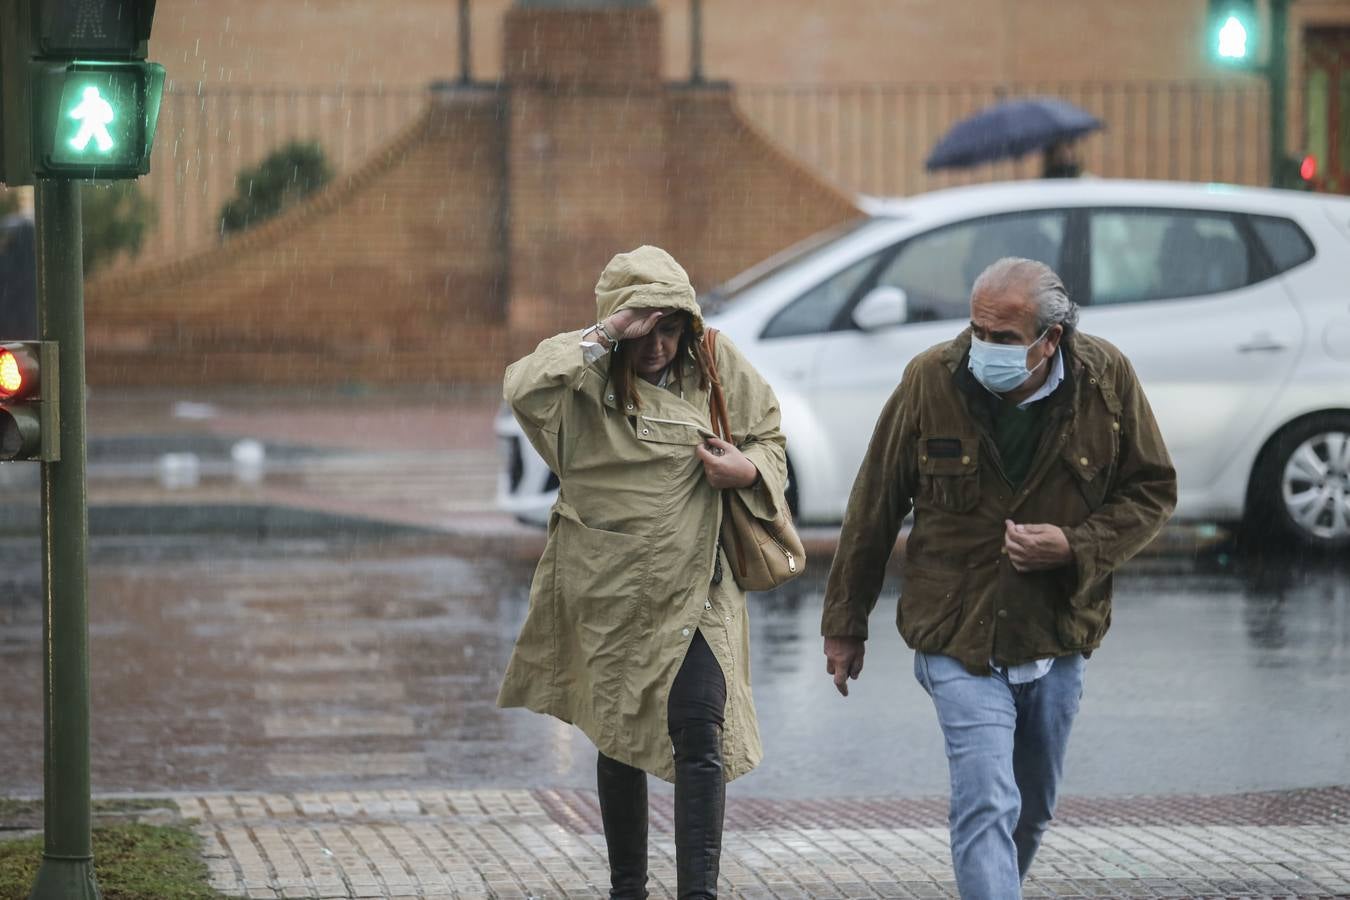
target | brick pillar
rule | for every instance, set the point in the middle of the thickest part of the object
(587, 151)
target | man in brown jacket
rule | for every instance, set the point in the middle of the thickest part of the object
(1034, 468)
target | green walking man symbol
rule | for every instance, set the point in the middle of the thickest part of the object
(94, 115)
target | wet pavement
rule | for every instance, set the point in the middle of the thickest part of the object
(306, 658)
(513, 843)
(222, 664)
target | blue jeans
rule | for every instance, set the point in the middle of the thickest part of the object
(1005, 751)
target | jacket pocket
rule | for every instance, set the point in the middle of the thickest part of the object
(668, 431)
(930, 607)
(1090, 454)
(603, 576)
(949, 472)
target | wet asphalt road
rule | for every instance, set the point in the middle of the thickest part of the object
(300, 665)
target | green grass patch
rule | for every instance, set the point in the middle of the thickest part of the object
(131, 862)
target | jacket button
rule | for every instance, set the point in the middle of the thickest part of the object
(1083, 460)
(1115, 426)
(923, 459)
(630, 406)
(645, 431)
(1003, 614)
(685, 632)
(1003, 550)
(1092, 381)
(707, 604)
(610, 398)
(965, 460)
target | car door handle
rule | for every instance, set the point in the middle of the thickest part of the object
(1262, 344)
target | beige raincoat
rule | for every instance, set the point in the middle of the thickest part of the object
(626, 574)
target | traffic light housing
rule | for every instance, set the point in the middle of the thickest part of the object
(29, 399)
(1232, 31)
(92, 29)
(16, 51)
(78, 99)
(95, 119)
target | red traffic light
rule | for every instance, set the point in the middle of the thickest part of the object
(29, 422)
(18, 371)
(1307, 170)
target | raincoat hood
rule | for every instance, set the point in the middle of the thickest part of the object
(645, 278)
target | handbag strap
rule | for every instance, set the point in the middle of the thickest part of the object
(717, 398)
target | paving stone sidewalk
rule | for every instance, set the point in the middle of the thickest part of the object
(518, 843)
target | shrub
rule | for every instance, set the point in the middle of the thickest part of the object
(285, 176)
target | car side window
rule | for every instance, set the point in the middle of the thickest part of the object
(1285, 243)
(1141, 255)
(815, 311)
(936, 270)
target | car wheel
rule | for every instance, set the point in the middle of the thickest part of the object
(1301, 485)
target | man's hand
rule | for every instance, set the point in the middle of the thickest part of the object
(631, 324)
(725, 466)
(844, 660)
(1036, 548)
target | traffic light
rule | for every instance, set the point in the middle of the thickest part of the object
(77, 89)
(1307, 169)
(29, 401)
(95, 119)
(1232, 31)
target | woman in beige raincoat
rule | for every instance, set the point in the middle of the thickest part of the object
(636, 632)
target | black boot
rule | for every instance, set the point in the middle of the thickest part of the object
(623, 809)
(700, 799)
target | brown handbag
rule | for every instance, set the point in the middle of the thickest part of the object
(762, 554)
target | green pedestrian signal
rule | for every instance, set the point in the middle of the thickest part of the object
(1232, 31)
(1233, 39)
(95, 119)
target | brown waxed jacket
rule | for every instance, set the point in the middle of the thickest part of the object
(1101, 473)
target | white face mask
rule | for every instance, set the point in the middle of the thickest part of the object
(1002, 367)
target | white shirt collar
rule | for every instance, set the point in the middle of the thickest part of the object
(1052, 382)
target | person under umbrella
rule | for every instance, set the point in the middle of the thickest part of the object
(1013, 128)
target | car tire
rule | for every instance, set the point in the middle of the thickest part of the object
(1300, 488)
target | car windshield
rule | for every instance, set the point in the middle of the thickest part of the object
(798, 254)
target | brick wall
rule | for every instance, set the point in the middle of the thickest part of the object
(361, 42)
(374, 279)
(477, 231)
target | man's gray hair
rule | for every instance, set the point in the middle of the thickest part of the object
(1053, 306)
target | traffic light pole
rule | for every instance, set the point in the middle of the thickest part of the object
(1277, 75)
(67, 871)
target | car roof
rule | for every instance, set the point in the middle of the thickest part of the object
(1012, 195)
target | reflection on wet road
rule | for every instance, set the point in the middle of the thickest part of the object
(299, 665)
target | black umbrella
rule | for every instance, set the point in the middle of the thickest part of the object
(1010, 129)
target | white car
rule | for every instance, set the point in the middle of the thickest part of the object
(1232, 303)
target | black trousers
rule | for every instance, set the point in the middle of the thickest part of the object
(696, 709)
(699, 694)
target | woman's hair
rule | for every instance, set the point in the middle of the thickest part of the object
(623, 371)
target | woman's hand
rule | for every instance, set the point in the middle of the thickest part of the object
(631, 324)
(724, 466)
